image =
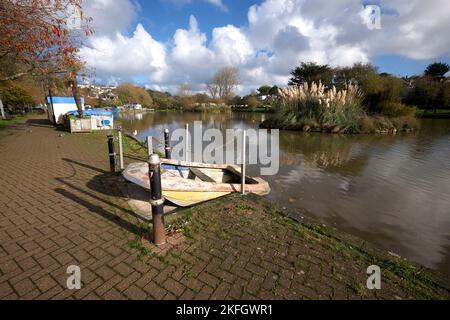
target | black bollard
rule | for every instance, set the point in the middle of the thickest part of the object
(112, 154)
(156, 200)
(167, 144)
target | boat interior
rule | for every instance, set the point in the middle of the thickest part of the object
(214, 175)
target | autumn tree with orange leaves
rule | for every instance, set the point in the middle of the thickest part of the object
(41, 38)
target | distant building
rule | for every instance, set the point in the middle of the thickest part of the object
(135, 106)
(59, 106)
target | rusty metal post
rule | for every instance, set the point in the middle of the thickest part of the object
(156, 200)
(112, 154)
(167, 144)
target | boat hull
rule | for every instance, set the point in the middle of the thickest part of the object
(210, 181)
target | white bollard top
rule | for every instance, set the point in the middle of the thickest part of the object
(166, 130)
(154, 159)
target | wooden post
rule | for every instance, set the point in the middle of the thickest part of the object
(120, 149)
(149, 146)
(186, 143)
(156, 200)
(167, 144)
(243, 161)
(112, 154)
(51, 103)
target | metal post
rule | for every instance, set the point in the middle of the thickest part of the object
(149, 146)
(243, 162)
(112, 154)
(167, 144)
(186, 143)
(120, 149)
(156, 200)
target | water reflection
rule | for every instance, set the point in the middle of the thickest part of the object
(390, 190)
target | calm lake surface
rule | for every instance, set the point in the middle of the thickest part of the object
(393, 191)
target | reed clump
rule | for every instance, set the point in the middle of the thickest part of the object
(313, 107)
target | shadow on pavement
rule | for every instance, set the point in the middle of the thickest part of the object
(39, 123)
(102, 212)
(87, 166)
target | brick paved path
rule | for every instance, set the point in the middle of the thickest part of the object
(59, 207)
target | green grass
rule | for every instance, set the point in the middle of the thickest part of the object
(429, 113)
(10, 122)
(135, 149)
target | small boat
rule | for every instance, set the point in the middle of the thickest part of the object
(189, 183)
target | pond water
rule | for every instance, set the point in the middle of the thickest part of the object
(393, 191)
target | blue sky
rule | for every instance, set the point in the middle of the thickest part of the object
(165, 43)
(163, 17)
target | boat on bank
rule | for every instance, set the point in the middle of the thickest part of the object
(189, 183)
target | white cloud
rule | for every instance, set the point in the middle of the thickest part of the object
(111, 16)
(217, 3)
(190, 45)
(231, 46)
(279, 34)
(125, 57)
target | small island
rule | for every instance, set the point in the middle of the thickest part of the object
(355, 99)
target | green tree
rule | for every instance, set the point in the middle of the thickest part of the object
(264, 90)
(202, 98)
(443, 95)
(130, 93)
(437, 70)
(424, 92)
(162, 100)
(380, 90)
(274, 91)
(309, 72)
(252, 102)
(15, 96)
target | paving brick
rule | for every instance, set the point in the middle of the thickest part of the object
(5, 289)
(174, 287)
(24, 286)
(155, 291)
(135, 293)
(45, 283)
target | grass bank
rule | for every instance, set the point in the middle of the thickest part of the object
(257, 109)
(363, 124)
(135, 149)
(439, 114)
(307, 257)
(13, 121)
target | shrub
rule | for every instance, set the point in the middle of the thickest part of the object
(382, 123)
(366, 125)
(333, 107)
(405, 123)
(252, 102)
(396, 109)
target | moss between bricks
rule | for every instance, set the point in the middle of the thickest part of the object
(416, 281)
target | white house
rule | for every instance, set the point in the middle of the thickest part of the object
(59, 106)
